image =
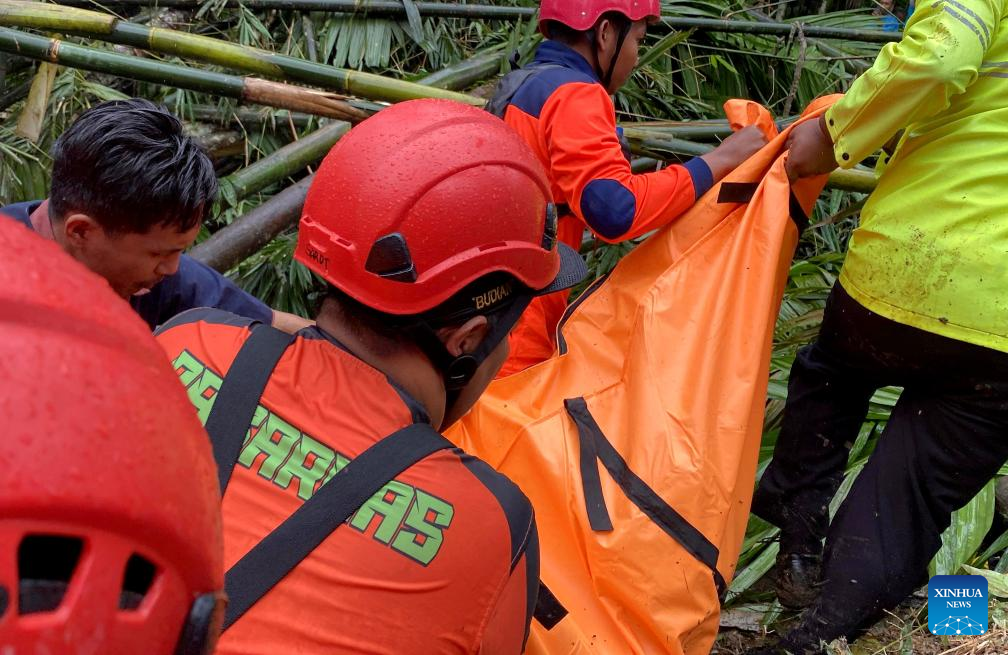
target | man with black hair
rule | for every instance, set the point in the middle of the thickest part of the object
(560, 104)
(351, 524)
(129, 193)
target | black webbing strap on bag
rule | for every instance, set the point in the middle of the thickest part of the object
(743, 192)
(284, 548)
(508, 87)
(548, 610)
(594, 441)
(239, 394)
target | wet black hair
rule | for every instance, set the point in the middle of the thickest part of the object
(129, 165)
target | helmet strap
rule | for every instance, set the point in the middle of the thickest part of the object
(624, 31)
(457, 371)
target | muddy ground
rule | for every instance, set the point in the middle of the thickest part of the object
(903, 632)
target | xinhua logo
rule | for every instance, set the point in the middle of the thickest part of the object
(957, 605)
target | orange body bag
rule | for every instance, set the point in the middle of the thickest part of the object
(637, 441)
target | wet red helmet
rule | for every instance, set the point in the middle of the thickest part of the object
(424, 198)
(583, 14)
(110, 534)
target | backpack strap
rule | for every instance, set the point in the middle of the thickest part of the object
(239, 394)
(509, 86)
(284, 548)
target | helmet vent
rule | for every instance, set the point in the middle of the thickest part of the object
(46, 564)
(390, 258)
(137, 581)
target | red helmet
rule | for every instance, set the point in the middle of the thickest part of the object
(583, 14)
(110, 534)
(424, 198)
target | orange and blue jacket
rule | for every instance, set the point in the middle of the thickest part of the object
(443, 559)
(565, 115)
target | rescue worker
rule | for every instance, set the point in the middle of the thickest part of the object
(560, 104)
(110, 530)
(921, 303)
(129, 192)
(431, 222)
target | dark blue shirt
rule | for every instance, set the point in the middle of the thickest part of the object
(193, 285)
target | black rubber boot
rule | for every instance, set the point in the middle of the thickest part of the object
(799, 577)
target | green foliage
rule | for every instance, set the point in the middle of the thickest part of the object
(963, 538)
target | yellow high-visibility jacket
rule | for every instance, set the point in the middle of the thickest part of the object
(932, 248)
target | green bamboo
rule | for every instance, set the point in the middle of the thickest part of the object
(852, 180)
(684, 130)
(247, 116)
(283, 163)
(465, 73)
(493, 12)
(651, 151)
(105, 27)
(101, 61)
(14, 94)
(246, 235)
(248, 89)
(671, 145)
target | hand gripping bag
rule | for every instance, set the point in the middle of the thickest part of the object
(637, 441)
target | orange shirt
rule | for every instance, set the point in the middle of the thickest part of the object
(444, 559)
(569, 121)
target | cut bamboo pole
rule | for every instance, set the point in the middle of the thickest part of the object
(105, 27)
(29, 125)
(466, 73)
(651, 151)
(285, 162)
(246, 235)
(14, 95)
(249, 89)
(493, 12)
(248, 116)
(852, 180)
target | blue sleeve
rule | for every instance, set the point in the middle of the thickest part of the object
(197, 285)
(703, 178)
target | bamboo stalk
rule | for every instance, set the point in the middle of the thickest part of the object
(249, 89)
(29, 125)
(676, 150)
(465, 73)
(246, 235)
(247, 116)
(14, 95)
(852, 180)
(105, 27)
(702, 130)
(296, 98)
(493, 12)
(285, 162)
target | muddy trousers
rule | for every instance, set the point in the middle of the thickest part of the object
(946, 438)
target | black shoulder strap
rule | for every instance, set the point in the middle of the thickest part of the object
(239, 395)
(276, 555)
(509, 85)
